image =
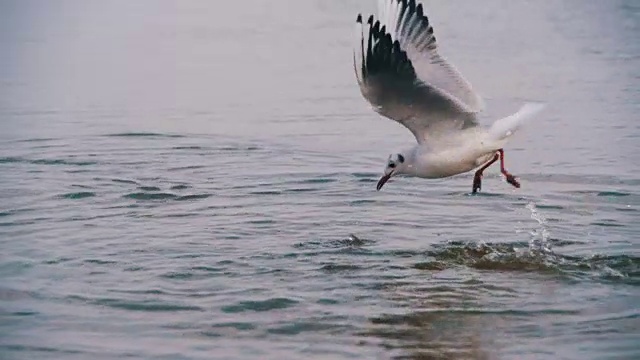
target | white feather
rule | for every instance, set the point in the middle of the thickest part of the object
(503, 128)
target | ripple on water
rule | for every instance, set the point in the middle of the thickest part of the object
(318, 181)
(613, 194)
(301, 190)
(32, 140)
(15, 212)
(266, 192)
(608, 194)
(8, 160)
(242, 326)
(259, 306)
(100, 262)
(78, 195)
(195, 147)
(123, 181)
(607, 223)
(351, 241)
(549, 207)
(188, 167)
(144, 135)
(192, 197)
(144, 305)
(340, 268)
(194, 273)
(149, 188)
(150, 196)
(365, 175)
(312, 325)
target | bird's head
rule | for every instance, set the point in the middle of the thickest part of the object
(396, 164)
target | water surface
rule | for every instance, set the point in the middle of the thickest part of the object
(196, 180)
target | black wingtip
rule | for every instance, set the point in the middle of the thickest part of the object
(396, 46)
(359, 19)
(370, 21)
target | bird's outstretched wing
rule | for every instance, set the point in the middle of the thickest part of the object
(401, 74)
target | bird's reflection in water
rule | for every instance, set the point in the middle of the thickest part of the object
(431, 335)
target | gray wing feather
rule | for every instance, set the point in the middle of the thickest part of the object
(406, 22)
(389, 80)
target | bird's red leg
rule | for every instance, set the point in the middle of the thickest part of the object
(510, 178)
(477, 178)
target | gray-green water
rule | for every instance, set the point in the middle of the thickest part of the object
(196, 180)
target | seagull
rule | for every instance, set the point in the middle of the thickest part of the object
(404, 78)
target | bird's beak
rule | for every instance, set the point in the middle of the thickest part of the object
(383, 180)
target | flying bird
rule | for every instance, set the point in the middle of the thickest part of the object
(404, 78)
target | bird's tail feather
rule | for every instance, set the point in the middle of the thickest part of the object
(503, 128)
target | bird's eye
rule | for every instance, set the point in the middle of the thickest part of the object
(400, 158)
(392, 165)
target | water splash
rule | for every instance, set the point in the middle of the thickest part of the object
(539, 237)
